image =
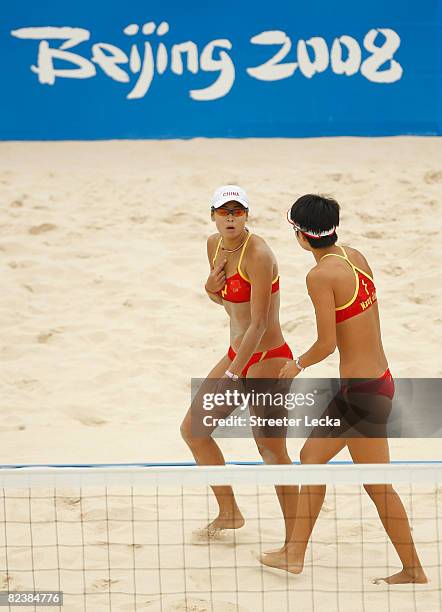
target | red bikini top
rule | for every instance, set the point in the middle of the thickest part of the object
(365, 292)
(238, 287)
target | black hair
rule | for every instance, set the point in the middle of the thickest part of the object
(317, 214)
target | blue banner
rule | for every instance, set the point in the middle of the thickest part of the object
(175, 69)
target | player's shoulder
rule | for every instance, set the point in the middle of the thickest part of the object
(356, 257)
(259, 256)
(258, 247)
(213, 238)
(212, 242)
(317, 275)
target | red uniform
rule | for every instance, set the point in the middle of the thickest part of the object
(363, 298)
(238, 289)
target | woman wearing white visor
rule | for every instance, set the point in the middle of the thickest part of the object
(243, 280)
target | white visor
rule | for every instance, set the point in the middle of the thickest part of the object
(229, 193)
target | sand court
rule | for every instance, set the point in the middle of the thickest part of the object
(104, 321)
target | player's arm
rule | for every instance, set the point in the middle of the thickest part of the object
(217, 278)
(259, 271)
(321, 294)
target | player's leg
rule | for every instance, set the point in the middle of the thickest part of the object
(207, 452)
(390, 509)
(316, 450)
(310, 501)
(273, 450)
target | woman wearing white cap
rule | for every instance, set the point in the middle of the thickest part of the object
(244, 280)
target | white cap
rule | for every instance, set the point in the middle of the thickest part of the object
(229, 193)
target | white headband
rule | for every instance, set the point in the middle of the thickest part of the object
(312, 234)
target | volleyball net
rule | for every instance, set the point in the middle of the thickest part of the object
(132, 537)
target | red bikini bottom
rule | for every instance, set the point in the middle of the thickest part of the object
(361, 408)
(281, 351)
(384, 385)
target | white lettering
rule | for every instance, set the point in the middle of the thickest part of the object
(351, 65)
(45, 69)
(108, 63)
(131, 29)
(322, 422)
(381, 55)
(163, 28)
(230, 421)
(146, 75)
(162, 59)
(135, 59)
(191, 49)
(71, 36)
(310, 399)
(272, 69)
(153, 57)
(224, 65)
(45, 65)
(149, 28)
(310, 67)
(162, 56)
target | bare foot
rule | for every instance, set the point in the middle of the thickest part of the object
(286, 560)
(216, 528)
(227, 521)
(414, 575)
(280, 550)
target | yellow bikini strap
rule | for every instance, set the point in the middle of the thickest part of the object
(241, 256)
(217, 249)
(345, 256)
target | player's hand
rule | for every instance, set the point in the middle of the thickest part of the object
(289, 370)
(224, 384)
(217, 278)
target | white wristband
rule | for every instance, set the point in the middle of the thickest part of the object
(231, 375)
(298, 365)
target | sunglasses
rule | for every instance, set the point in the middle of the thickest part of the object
(235, 212)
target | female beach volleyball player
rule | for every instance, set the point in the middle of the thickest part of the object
(343, 293)
(243, 280)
